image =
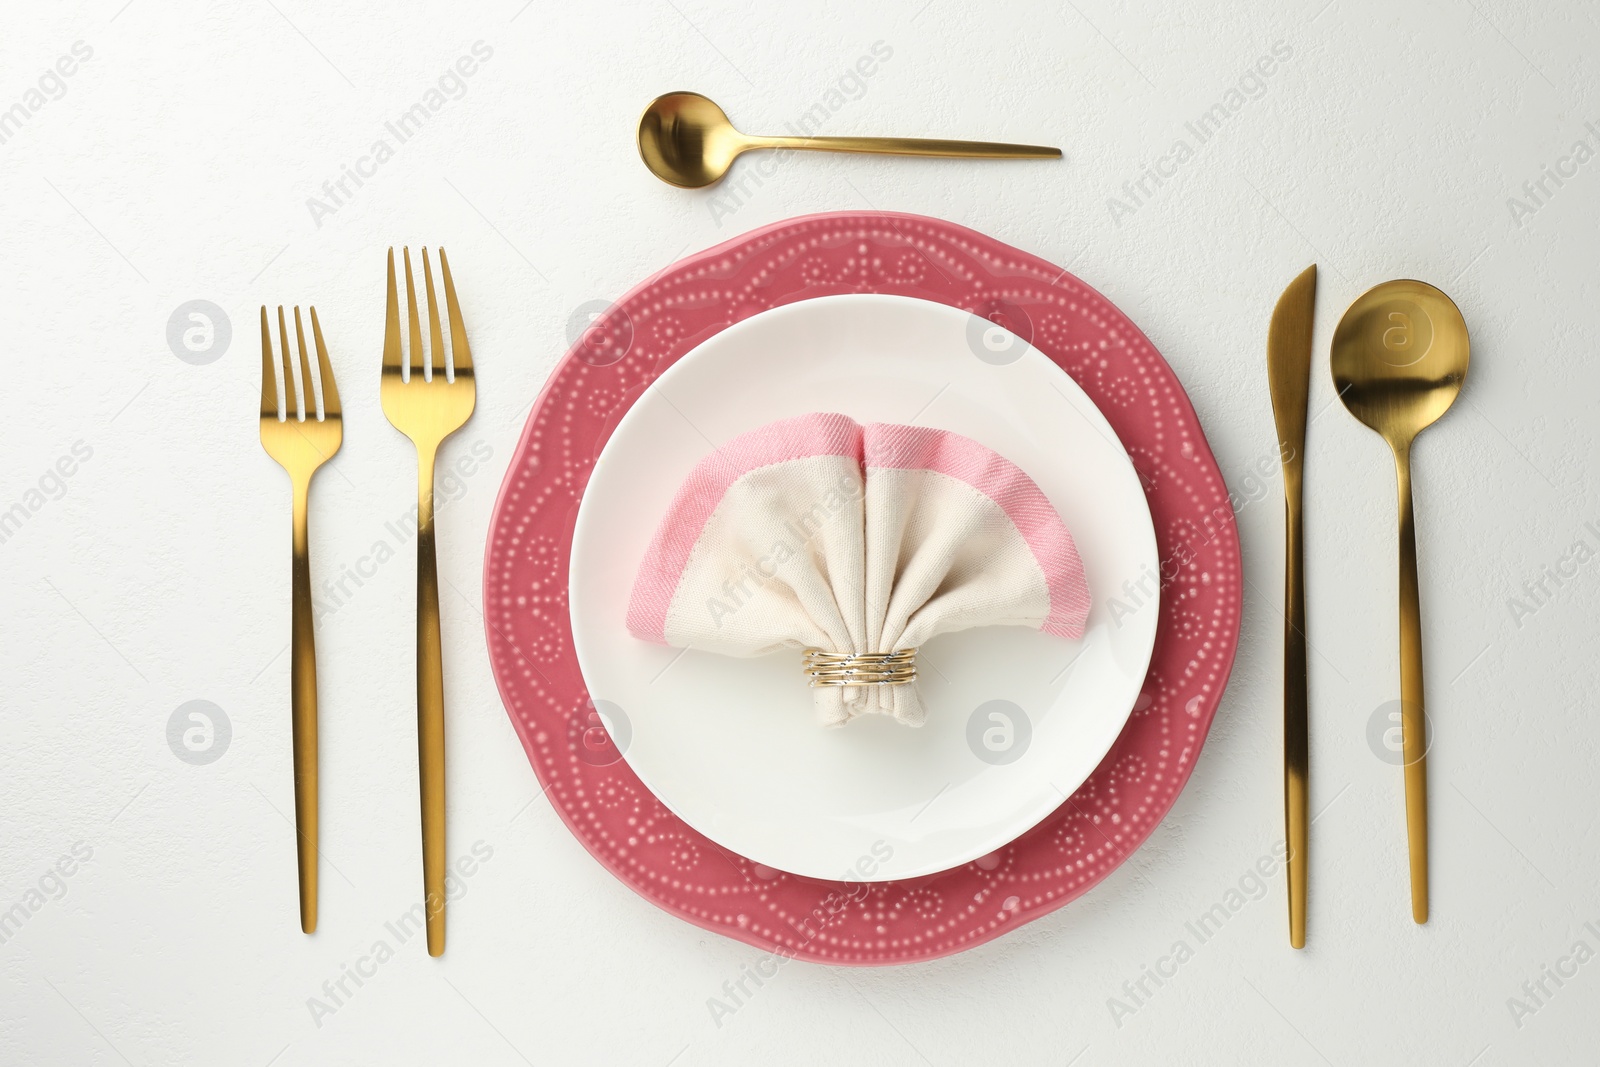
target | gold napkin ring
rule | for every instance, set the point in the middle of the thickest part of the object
(868, 668)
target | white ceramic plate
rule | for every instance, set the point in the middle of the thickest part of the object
(1016, 719)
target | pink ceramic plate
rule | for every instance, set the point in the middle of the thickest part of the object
(566, 737)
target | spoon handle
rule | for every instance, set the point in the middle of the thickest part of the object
(1413, 719)
(913, 146)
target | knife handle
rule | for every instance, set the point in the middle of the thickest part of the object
(1296, 741)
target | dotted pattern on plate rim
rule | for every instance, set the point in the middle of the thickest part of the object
(625, 826)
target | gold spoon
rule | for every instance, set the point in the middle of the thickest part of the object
(687, 140)
(1399, 357)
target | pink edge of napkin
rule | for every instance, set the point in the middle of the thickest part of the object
(961, 458)
(802, 437)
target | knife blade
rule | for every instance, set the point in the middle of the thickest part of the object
(1289, 379)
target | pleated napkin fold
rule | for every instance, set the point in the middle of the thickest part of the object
(818, 532)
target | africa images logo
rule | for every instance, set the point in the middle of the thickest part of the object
(337, 192)
(51, 85)
(1251, 85)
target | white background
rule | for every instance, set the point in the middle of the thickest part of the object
(177, 165)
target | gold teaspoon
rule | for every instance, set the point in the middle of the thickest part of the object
(1399, 358)
(687, 140)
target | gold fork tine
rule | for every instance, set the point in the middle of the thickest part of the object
(392, 357)
(330, 391)
(269, 377)
(292, 407)
(460, 352)
(312, 409)
(419, 355)
(435, 335)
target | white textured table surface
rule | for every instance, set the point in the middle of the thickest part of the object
(144, 549)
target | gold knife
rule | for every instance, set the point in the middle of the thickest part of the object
(1289, 377)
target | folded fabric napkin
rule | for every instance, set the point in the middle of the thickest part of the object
(818, 532)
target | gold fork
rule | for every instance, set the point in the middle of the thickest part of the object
(428, 401)
(301, 440)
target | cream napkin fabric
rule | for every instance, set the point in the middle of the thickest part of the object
(818, 532)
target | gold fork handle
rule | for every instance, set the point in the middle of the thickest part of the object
(913, 146)
(430, 709)
(1296, 733)
(303, 704)
(1413, 720)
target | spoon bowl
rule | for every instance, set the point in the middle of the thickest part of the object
(687, 140)
(1399, 358)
